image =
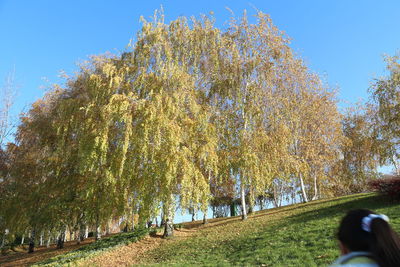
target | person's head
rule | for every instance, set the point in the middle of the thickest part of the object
(363, 230)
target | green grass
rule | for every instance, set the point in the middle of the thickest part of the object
(298, 235)
(94, 248)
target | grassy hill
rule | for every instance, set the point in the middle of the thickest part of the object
(296, 235)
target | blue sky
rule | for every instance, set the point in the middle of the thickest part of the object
(342, 40)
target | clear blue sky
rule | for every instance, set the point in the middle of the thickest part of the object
(343, 40)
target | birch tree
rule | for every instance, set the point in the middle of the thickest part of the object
(386, 97)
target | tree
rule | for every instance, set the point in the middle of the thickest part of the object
(190, 114)
(360, 151)
(386, 96)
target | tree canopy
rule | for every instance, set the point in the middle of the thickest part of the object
(190, 112)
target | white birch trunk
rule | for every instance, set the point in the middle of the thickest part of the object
(65, 234)
(48, 240)
(243, 199)
(169, 218)
(315, 197)
(97, 233)
(303, 189)
(41, 239)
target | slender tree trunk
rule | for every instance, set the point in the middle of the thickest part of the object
(108, 227)
(71, 233)
(97, 233)
(275, 192)
(162, 222)
(82, 232)
(61, 239)
(3, 241)
(65, 234)
(243, 198)
(251, 207)
(41, 239)
(303, 189)
(315, 197)
(205, 218)
(169, 213)
(48, 239)
(31, 248)
(396, 165)
(133, 219)
(22, 239)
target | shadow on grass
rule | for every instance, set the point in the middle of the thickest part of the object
(306, 237)
(304, 205)
(218, 222)
(340, 209)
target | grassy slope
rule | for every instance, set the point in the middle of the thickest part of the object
(298, 235)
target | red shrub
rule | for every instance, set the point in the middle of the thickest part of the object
(389, 186)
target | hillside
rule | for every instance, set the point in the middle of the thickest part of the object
(296, 235)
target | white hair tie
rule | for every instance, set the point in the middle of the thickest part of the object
(366, 221)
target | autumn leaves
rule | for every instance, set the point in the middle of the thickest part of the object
(187, 104)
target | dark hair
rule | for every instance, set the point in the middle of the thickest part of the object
(382, 242)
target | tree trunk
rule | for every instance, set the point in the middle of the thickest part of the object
(205, 218)
(133, 219)
(261, 204)
(251, 207)
(169, 223)
(41, 239)
(65, 234)
(162, 222)
(233, 209)
(82, 232)
(97, 233)
(396, 164)
(87, 231)
(22, 239)
(48, 240)
(108, 227)
(243, 198)
(3, 241)
(315, 197)
(168, 228)
(61, 239)
(71, 233)
(303, 189)
(31, 248)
